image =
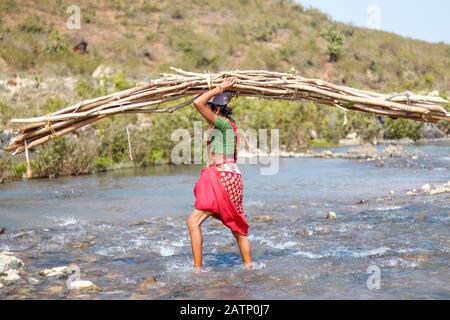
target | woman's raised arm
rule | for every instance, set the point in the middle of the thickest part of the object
(201, 103)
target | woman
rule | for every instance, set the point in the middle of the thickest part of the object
(219, 189)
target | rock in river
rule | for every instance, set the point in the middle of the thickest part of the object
(8, 261)
(84, 286)
(11, 276)
(257, 218)
(56, 272)
(331, 215)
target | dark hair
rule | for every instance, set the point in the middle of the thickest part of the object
(225, 110)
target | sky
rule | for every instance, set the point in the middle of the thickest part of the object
(427, 20)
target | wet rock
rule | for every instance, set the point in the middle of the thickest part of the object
(262, 218)
(430, 189)
(8, 261)
(55, 290)
(362, 201)
(10, 276)
(306, 232)
(362, 152)
(56, 272)
(440, 190)
(78, 245)
(147, 284)
(331, 215)
(2, 230)
(83, 286)
(393, 151)
(417, 257)
(326, 154)
(33, 281)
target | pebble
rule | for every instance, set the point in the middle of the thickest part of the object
(262, 218)
(331, 215)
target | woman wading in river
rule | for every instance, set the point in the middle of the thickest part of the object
(219, 189)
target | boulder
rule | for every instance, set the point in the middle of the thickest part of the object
(440, 190)
(102, 71)
(5, 137)
(362, 152)
(56, 272)
(331, 215)
(351, 139)
(429, 131)
(10, 276)
(393, 151)
(33, 281)
(313, 134)
(8, 261)
(83, 286)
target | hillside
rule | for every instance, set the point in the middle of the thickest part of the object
(133, 41)
(145, 37)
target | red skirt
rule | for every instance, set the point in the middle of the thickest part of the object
(220, 192)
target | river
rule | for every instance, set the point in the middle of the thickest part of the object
(132, 225)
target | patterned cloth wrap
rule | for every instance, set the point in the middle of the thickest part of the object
(220, 190)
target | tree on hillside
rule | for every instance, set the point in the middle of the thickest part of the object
(335, 41)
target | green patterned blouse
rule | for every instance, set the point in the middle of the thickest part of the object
(222, 138)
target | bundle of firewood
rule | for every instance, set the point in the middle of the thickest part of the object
(155, 97)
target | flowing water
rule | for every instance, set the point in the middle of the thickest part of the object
(131, 225)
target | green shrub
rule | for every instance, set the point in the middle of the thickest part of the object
(52, 104)
(402, 128)
(57, 43)
(6, 113)
(32, 24)
(102, 164)
(335, 41)
(320, 143)
(19, 169)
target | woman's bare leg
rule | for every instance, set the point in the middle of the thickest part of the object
(194, 223)
(244, 248)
